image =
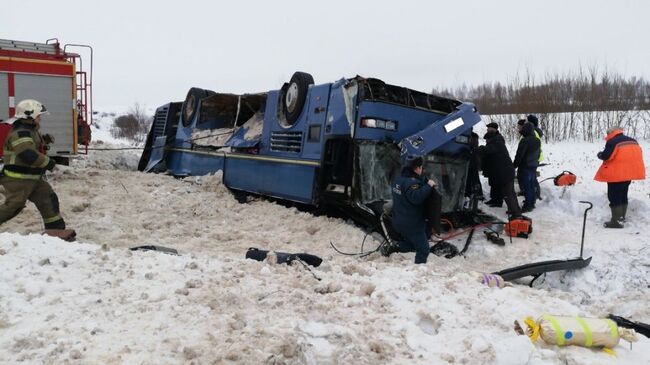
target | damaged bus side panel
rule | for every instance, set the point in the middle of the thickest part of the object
(337, 144)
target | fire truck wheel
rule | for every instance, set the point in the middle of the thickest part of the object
(191, 104)
(295, 95)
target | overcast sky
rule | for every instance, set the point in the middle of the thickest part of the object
(153, 52)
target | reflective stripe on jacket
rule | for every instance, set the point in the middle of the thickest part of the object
(22, 151)
(541, 151)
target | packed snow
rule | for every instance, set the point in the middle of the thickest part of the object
(96, 302)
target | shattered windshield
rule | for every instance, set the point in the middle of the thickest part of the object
(450, 174)
(378, 164)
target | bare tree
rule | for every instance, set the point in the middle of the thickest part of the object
(134, 125)
(579, 104)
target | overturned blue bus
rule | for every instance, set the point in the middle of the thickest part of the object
(336, 144)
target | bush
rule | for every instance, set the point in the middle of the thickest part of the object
(134, 125)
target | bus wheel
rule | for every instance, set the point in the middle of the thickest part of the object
(295, 95)
(191, 104)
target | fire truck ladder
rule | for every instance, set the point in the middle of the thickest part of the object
(18, 47)
(84, 83)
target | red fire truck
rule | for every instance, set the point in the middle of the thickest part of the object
(56, 77)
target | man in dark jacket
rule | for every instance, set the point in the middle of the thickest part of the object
(473, 186)
(410, 193)
(25, 165)
(497, 161)
(539, 134)
(496, 197)
(526, 162)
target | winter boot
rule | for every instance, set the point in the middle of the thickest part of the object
(64, 234)
(527, 208)
(622, 219)
(617, 213)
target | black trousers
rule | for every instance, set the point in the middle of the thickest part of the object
(507, 189)
(617, 193)
(496, 191)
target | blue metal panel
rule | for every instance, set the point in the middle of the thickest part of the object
(442, 132)
(337, 120)
(453, 148)
(183, 163)
(409, 120)
(271, 121)
(157, 152)
(316, 114)
(183, 136)
(282, 180)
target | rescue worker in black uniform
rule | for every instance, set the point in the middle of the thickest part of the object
(473, 186)
(539, 134)
(26, 161)
(490, 171)
(496, 159)
(410, 191)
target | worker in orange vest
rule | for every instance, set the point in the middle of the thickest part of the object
(622, 162)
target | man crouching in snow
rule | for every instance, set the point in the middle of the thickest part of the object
(622, 162)
(410, 193)
(25, 165)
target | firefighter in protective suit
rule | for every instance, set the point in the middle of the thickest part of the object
(26, 161)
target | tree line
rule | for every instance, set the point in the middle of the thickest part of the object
(577, 105)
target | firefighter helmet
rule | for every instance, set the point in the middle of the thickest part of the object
(30, 108)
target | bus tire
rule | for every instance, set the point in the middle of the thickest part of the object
(294, 97)
(191, 104)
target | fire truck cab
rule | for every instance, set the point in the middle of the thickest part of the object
(55, 77)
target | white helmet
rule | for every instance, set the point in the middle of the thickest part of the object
(30, 108)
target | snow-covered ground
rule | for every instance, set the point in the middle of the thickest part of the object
(95, 302)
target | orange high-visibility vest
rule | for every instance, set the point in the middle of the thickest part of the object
(625, 163)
